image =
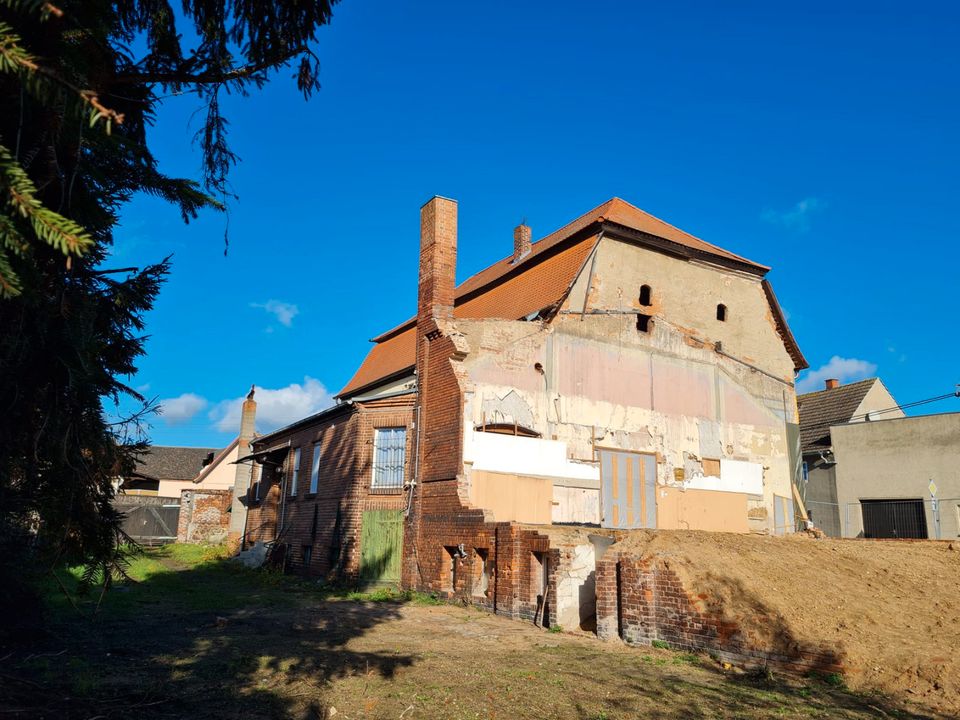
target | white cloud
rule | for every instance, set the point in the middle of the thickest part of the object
(796, 218)
(284, 312)
(176, 411)
(843, 369)
(275, 408)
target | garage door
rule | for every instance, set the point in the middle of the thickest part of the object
(894, 519)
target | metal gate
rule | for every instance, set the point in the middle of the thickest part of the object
(381, 542)
(150, 520)
(894, 519)
(628, 495)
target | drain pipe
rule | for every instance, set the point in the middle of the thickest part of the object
(416, 465)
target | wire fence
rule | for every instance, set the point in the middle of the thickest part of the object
(889, 518)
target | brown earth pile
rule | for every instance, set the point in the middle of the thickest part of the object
(890, 610)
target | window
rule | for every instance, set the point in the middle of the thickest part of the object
(722, 312)
(645, 295)
(315, 470)
(389, 458)
(307, 551)
(711, 467)
(644, 323)
(296, 471)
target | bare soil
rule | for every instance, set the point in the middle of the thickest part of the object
(210, 640)
(889, 609)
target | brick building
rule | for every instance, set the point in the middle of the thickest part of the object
(618, 373)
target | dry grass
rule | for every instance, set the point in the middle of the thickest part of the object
(200, 638)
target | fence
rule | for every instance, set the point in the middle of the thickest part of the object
(889, 518)
(149, 520)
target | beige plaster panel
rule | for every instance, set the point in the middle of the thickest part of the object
(513, 498)
(701, 510)
(686, 294)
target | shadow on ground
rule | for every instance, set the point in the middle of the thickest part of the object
(217, 641)
(214, 641)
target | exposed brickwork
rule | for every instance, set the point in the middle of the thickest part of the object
(328, 521)
(204, 515)
(642, 600)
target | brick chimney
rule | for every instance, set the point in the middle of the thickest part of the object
(832, 384)
(438, 259)
(521, 241)
(241, 483)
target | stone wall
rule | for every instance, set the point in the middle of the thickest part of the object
(204, 516)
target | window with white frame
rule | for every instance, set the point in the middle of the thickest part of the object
(315, 470)
(296, 471)
(389, 458)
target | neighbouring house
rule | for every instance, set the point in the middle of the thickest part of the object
(819, 411)
(164, 470)
(869, 469)
(898, 477)
(618, 373)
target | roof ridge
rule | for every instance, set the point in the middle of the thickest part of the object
(840, 387)
(661, 221)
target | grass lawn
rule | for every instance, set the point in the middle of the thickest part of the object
(199, 637)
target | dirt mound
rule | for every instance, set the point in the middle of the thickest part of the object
(889, 609)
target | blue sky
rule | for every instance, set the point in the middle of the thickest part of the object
(820, 141)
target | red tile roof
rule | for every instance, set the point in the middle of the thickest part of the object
(541, 279)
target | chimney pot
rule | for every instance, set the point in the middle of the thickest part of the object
(522, 235)
(832, 384)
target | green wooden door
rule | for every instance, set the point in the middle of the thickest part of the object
(381, 543)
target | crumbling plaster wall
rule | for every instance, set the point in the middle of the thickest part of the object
(593, 379)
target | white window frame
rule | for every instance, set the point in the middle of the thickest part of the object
(315, 469)
(296, 471)
(376, 481)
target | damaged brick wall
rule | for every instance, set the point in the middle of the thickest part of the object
(642, 600)
(204, 516)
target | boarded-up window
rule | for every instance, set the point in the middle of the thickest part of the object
(783, 520)
(711, 467)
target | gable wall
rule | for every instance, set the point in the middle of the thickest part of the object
(603, 383)
(685, 294)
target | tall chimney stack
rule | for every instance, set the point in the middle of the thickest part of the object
(521, 241)
(438, 259)
(241, 482)
(832, 384)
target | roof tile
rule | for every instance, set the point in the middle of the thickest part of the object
(819, 410)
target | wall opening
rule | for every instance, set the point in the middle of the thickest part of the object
(450, 560)
(481, 572)
(722, 312)
(538, 576)
(646, 295)
(644, 323)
